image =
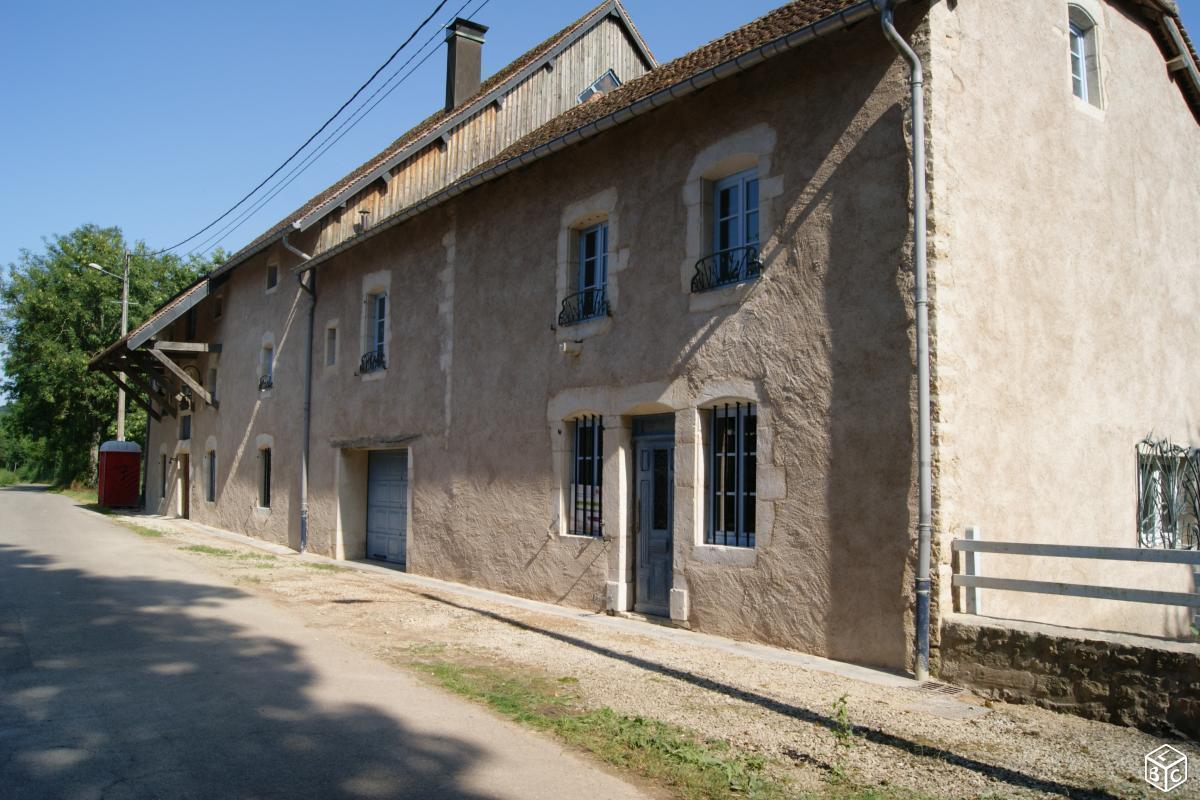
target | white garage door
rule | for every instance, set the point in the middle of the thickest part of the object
(387, 505)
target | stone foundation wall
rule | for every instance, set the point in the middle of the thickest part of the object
(1146, 683)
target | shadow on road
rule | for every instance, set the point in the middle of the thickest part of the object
(133, 687)
(994, 771)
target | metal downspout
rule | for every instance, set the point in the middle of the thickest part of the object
(921, 302)
(311, 288)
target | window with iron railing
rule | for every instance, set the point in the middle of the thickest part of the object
(266, 376)
(264, 478)
(591, 279)
(734, 257)
(375, 335)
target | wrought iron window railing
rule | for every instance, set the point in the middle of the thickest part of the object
(587, 478)
(726, 267)
(585, 305)
(372, 361)
(265, 383)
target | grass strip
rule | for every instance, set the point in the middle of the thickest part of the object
(697, 769)
(210, 551)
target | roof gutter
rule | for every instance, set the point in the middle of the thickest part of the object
(1185, 53)
(798, 38)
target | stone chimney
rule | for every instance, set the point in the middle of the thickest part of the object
(464, 60)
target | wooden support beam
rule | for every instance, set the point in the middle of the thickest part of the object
(187, 347)
(178, 371)
(133, 395)
(137, 378)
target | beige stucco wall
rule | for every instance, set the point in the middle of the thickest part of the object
(478, 384)
(1065, 256)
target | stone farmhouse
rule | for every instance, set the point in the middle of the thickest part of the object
(704, 341)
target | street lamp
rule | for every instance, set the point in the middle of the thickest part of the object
(124, 330)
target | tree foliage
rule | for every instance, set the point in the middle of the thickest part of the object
(55, 314)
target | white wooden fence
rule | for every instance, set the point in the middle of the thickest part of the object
(968, 560)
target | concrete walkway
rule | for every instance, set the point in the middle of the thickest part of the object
(625, 624)
(124, 673)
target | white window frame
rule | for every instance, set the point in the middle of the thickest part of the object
(377, 310)
(331, 345)
(266, 364)
(598, 86)
(599, 261)
(746, 231)
(1083, 46)
(744, 489)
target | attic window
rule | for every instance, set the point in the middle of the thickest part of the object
(605, 83)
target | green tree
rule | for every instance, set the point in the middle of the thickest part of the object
(55, 314)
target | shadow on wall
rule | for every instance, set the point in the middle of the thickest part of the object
(871, 480)
(207, 711)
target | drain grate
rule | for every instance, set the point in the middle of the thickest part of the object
(940, 688)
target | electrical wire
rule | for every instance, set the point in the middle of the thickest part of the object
(332, 138)
(317, 133)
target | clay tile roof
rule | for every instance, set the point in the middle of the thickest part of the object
(772, 26)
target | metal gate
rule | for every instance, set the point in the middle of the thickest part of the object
(387, 505)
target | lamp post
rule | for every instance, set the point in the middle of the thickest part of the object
(124, 330)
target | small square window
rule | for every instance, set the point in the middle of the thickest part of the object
(272, 276)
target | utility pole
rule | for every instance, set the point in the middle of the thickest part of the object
(124, 330)
(124, 279)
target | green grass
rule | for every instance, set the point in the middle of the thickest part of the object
(322, 566)
(80, 493)
(210, 551)
(697, 769)
(141, 530)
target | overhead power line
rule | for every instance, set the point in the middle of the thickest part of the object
(333, 137)
(315, 134)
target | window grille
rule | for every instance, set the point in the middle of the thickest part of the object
(211, 493)
(587, 477)
(1168, 495)
(264, 489)
(732, 474)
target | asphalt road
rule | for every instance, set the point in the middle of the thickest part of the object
(126, 673)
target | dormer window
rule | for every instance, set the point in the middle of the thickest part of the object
(602, 85)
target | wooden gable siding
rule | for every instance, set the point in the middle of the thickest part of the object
(535, 101)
